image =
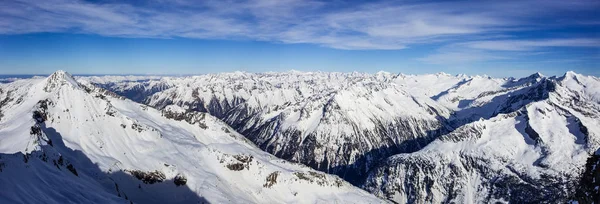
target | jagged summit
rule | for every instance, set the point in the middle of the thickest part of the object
(58, 79)
(106, 149)
(408, 138)
(442, 74)
(536, 75)
(570, 74)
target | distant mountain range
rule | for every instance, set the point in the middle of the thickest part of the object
(434, 138)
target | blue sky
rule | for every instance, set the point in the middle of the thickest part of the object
(497, 38)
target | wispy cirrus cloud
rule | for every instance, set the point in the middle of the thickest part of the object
(459, 57)
(491, 50)
(342, 25)
(525, 45)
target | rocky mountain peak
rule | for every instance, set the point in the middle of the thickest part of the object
(59, 78)
(570, 75)
(537, 75)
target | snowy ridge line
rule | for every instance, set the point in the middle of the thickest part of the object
(536, 153)
(68, 141)
(406, 138)
(294, 106)
(347, 122)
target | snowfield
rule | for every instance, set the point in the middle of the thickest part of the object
(246, 138)
(536, 153)
(63, 141)
(341, 123)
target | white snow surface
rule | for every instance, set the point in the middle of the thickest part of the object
(343, 112)
(494, 132)
(558, 148)
(118, 135)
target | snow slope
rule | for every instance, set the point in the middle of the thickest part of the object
(341, 123)
(62, 141)
(477, 139)
(533, 154)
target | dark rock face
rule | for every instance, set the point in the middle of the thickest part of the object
(189, 116)
(72, 169)
(588, 190)
(422, 179)
(180, 180)
(235, 166)
(138, 93)
(271, 179)
(148, 177)
(8, 98)
(36, 130)
(350, 158)
(241, 162)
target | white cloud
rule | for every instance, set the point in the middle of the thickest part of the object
(387, 25)
(525, 45)
(460, 57)
(479, 51)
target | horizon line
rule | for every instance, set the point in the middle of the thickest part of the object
(288, 71)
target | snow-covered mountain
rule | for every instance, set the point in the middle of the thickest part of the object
(68, 141)
(342, 123)
(335, 122)
(535, 153)
(477, 138)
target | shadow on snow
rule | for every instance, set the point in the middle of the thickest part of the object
(70, 176)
